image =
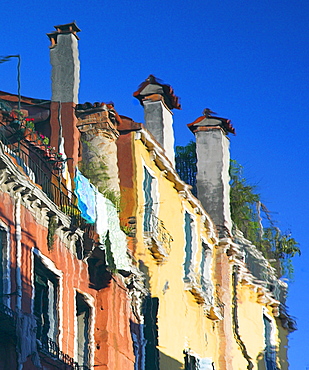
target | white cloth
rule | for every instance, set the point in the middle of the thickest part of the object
(107, 220)
(101, 213)
(26, 338)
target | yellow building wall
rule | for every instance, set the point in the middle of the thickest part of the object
(182, 322)
(251, 329)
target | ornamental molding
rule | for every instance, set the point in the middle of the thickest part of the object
(13, 181)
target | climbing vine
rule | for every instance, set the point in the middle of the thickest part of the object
(249, 214)
(96, 171)
(186, 164)
(52, 227)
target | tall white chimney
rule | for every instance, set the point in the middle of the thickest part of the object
(213, 161)
(65, 85)
(158, 100)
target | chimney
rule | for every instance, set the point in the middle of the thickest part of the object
(213, 161)
(65, 85)
(158, 100)
(98, 124)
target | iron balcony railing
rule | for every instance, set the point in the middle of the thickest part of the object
(51, 348)
(263, 274)
(7, 311)
(40, 171)
(154, 228)
(7, 322)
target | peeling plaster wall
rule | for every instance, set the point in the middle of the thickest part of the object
(75, 272)
(251, 327)
(98, 147)
(126, 176)
(178, 310)
(65, 72)
(212, 180)
(114, 348)
(73, 275)
(159, 121)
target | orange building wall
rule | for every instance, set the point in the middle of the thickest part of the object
(112, 339)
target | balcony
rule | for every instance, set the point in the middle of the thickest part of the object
(7, 322)
(156, 237)
(41, 170)
(51, 351)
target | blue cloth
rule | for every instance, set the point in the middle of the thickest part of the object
(85, 193)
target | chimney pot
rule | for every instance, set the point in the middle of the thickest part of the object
(213, 160)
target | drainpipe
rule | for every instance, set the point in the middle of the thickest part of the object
(237, 336)
(18, 250)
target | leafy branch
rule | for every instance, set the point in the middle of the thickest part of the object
(246, 209)
(246, 212)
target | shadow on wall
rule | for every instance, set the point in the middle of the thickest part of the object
(150, 309)
(99, 276)
(267, 360)
(261, 362)
(169, 363)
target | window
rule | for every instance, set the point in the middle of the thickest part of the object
(156, 236)
(83, 330)
(150, 199)
(191, 362)
(205, 267)
(139, 344)
(4, 266)
(195, 363)
(150, 311)
(190, 245)
(270, 345)
(45, 302)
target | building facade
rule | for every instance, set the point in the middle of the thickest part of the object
(107, 258)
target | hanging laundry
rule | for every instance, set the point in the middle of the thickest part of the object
(85, 193)
(118, 238)
(107, 222)
(101, 213)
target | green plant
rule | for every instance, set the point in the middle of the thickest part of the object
(243, 201)
(246, 209)
(46, 140)
(96, 171)
(127, 229)
(70, 210)
(112, 195)
(109, 255)
(18, 114)
(185, 157)
(52, 227)
(29, 123)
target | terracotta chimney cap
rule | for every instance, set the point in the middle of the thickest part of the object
(68, 27)
(63, 29)
(210, 121)
(154, 86)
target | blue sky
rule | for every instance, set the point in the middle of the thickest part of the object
(246, 60)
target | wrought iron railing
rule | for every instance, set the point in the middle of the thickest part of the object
(7, 311)
(40, 171)
(51, 348)
(154, 228)
(262, 272)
